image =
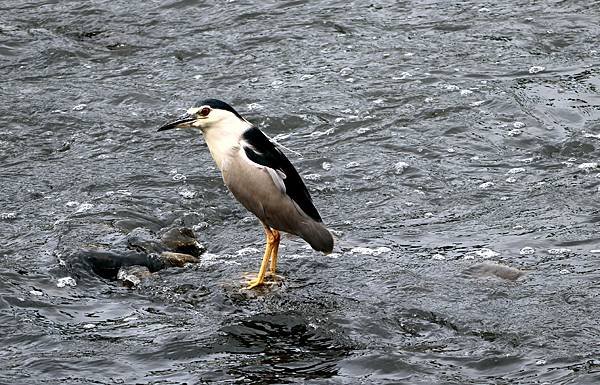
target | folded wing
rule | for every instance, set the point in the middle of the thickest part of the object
(262, 151)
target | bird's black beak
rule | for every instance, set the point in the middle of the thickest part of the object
(183, 122)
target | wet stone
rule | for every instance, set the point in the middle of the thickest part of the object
(178, 259)
(488, 269)
(182, 240)
(144, 240)
(141, 248)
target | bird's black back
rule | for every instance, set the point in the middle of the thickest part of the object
(263, 151)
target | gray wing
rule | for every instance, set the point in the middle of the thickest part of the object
(261, 150)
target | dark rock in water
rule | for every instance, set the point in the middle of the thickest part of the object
(488, 269)
(143, 240)
(132, 275)
(107, 263)
(176, 247)
(182, 240)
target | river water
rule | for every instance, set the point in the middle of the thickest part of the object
(453, 148)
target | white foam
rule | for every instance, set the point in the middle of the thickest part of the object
(315, 177)
(254, 106)
(399, 167)
(66, 281)
(450, 87)
(486, 185)
(316, 134)
(9, 215)
(187, 194)
(369, 251)
(346, 71)
(536, 69)
(588, 135)
(516, 170)
(588, 166)
(526, 160)
(477, 103)
(486, 253)
(84, 207)
(403, 75)
(559, 250)
(518, 124)
(527, 250)
(515, 132)
(248, 251)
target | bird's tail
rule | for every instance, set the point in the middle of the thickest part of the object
(318, 237)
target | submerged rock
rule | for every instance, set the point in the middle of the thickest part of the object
(488, 269)
(144, 252)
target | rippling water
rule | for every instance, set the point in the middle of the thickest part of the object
(438, 141)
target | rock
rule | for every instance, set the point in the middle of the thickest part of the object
(182, 240)
(143, 240)
(488, 269)
(178, 259)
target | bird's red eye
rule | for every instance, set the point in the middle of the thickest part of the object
(204, 111)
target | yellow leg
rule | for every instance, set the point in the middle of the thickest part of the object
(260, 279)
(274, 251)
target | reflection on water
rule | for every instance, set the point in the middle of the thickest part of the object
(452, 148)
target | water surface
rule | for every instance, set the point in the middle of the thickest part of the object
(434, 138)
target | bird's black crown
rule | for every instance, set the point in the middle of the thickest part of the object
(219, 105)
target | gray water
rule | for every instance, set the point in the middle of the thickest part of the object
(438, 141)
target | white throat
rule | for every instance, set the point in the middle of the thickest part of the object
(223, 138)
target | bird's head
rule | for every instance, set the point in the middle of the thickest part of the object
(208, 114)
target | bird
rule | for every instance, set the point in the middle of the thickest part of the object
(260, 177)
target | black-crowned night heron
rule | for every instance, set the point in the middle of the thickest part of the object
(260, 177)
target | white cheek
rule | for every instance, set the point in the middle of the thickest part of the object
(193, 110)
